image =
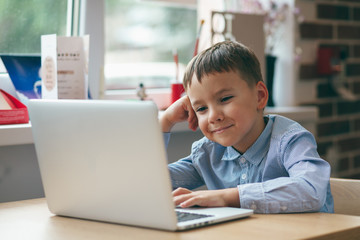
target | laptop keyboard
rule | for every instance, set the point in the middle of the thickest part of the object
(186, 216)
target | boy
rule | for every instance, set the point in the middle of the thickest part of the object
(267, 163)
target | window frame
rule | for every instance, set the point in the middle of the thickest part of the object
(92, 22)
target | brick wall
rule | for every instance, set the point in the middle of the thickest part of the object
(334, 24)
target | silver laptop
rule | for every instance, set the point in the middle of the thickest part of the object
(105, 160)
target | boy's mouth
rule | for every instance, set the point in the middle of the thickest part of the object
(221, 129)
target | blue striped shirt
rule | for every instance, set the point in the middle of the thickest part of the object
(281, 172)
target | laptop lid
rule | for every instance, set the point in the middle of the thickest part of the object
(105, 160)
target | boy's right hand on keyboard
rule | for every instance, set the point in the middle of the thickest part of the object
(208, 198)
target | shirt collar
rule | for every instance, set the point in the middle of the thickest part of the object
(256, 153)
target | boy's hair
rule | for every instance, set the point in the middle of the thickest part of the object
(224, 57)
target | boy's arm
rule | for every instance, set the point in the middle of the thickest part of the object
(305, 189)
(179, 111)
(209, 198)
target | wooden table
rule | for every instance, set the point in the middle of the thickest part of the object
(30, 219)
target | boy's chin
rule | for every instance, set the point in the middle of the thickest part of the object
(222, 143)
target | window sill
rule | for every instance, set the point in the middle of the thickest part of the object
(161, 96)
(18, 134)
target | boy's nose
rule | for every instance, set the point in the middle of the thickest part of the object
(215, 115)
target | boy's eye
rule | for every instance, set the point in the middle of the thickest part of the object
(200, 109)
(224, 99)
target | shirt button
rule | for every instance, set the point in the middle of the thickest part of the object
(243, 176)
(242, 160)
(284, 208)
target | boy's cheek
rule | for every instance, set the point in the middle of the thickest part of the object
(200, 119)
(204, 132)
(202, 125)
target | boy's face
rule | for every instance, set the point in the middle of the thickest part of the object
(229, 112)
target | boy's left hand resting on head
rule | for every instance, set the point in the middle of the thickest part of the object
(179, 111)
(206, 198)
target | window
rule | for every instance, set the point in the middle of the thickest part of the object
(140, 37)
(23, 22)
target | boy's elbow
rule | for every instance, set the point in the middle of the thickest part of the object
(317, 205)
(315, 201)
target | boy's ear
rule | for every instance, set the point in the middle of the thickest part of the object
(262, 94)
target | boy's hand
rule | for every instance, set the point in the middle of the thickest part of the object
(179, 111)
(208, 198)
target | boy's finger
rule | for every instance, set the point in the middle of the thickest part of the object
(180, 199)
(192, 119)
(193, 123)
(180, 191)
(190, 202)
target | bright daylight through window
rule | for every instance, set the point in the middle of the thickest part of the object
(140, 39)
(23, 22)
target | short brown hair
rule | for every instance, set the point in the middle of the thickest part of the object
(224, 57)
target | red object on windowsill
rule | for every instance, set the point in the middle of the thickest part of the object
(12, 110)
(177, 91)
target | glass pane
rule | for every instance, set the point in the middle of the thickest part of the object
(24, 21)
(140, 39)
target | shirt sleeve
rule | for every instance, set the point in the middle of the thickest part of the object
(166, 136)
(183, 173)
(304, 189)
